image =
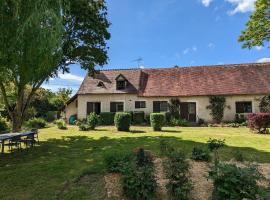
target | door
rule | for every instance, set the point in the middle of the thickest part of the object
(188, 111)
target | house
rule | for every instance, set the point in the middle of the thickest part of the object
(150, 90)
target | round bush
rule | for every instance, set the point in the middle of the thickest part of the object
(122, 121)
(92, 120)
(61, 124)
(36, 123)
(107, 118)
(3, 125)
(157, 121)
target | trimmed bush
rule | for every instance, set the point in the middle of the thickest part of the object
(138, 117)
(232, 182)
(259, 122)
(179, 122)
(157, 121)
(61, 124)
(92, 120)
(116, 161)
(3, 125)
(83, 126)
(122, 121)
(200, 154)
(36, 123)
(106, 118)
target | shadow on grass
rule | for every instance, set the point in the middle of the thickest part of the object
(57, 160)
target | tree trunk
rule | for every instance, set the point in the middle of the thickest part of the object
(16, 122)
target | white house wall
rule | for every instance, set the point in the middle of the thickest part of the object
(129, 103)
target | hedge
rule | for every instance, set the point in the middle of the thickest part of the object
(138, 117)
(106, 118)
(122, 121)
(259, 122)
(157, 121)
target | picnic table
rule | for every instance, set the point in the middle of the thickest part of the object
(8, 136)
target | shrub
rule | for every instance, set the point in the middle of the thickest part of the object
(115, 161)
(217, 107)
(176, 167)
(259, 122)
(36, 123)
(92, 120)
(122, 121)
(200, 154)
(164, 147)
(138, 117)
(157, 121)
(179, 122)
(265, 104)
(83, 126)
(143, 157)
(139, 182)
(240, 118)
(201, 121)
(232, 182)
(61, 124)
(238, 155)
(50, 116)
(107, 118)
(215, 144)
(4, 126)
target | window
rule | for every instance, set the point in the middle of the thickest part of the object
(243, 107)
(117, 107)
(100, 84)
(140, 104)
(120, 85)
(93, 107)
(160, 106)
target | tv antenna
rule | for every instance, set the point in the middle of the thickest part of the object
(139, 61)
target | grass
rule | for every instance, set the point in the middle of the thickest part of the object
(54, 169)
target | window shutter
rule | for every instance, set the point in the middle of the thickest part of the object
(156, 106)
(113, 107)
(90, 106)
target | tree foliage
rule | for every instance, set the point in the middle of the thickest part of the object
(217, 107)
(257, 32)
(265, 104)
(40, 38)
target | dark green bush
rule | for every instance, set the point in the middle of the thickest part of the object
(238, 155)
(138, 117)
(36, 123)
(215, 144)
(143, 158)
(50, 116)
(232, 182)
(61, 124)
(106, 118)
(157, 121)
(92, 120)
(115, 161)
(176, 167)
(200, 154)
(4, 126)
(179, 122)
(122, 121)
(240, 118)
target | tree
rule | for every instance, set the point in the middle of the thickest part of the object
(257, 31)
(40, 38)
(265, 104)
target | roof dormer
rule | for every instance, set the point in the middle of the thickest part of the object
(121, 82)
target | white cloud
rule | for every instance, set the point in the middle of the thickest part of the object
(263, 60)
(206, 3)
(71, 77)
(186, 51)
(241, 6)
(194, 48)
(259, 48)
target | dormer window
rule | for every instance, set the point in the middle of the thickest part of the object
(100, 84)
(121, 82)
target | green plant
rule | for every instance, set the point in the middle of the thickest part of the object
(61, 124)
(122, 121)
(201, 121)
(106, 118)
(4, 126)
(179, 122)
(138, 117)
(174, 108)
(143, 158)
(265, 104)
(216, 107)
(259, 122)
(215, 144)
(157, 121)
(36, 123)
(164, 147)
(139, 183)
(238, 155)
(232, 182)
(115, 161)
(240, 118)
(176, 167)
(92, 120)
(50, 116)
(200, 154)
(83, 127)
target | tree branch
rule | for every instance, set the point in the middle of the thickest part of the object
(3, 90)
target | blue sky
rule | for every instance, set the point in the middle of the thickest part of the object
(165, 33)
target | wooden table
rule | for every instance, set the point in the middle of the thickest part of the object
(8, 136)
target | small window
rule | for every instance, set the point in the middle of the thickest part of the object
(100, 84)
(160, 106)
(120, 85)
(140, 104)
(93, 107)
(76, 103)
(117, 107)
(243, 107)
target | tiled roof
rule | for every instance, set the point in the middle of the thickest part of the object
(186, 81)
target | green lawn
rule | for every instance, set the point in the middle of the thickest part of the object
(53, 169)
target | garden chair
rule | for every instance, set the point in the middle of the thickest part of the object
(35, 131)
(14, 142)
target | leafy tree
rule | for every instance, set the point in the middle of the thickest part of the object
(40, 38)
(217, 107)
(257, 31)
(265, 104)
